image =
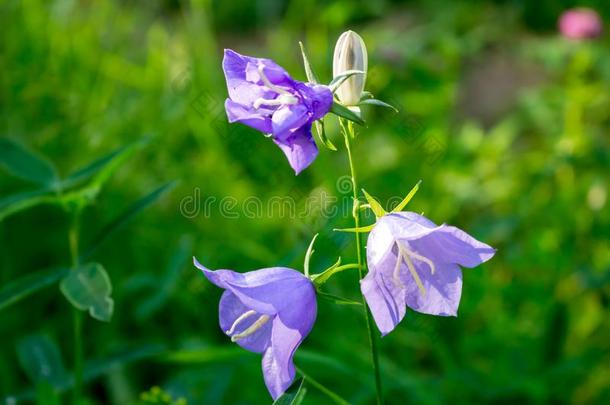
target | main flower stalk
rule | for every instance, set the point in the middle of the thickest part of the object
(348, 134)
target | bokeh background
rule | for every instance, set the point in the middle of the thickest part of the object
(506, 122)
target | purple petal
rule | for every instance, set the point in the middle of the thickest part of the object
(248, 116)
(384, 294)
(300, 149)
(267, 291)
(452, 245)
(443, 288)
(230, 309)
(288, 119)
(240, 89)
(318, 98)
(278, 366)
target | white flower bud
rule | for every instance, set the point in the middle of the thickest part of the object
(350, 54)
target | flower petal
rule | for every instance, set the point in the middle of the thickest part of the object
(267, 291)
(449, 244)
(231, 309)
(384, 293)
(240, 89)
(278, 366)
(319, 98)
(248, 116)
(288, 119)
(300, 149)
(443, 289)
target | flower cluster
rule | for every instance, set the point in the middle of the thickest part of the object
(411, 261)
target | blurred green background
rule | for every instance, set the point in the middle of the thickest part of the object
(506, 123)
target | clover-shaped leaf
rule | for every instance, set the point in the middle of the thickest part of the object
(88, 288)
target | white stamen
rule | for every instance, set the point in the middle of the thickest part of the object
(270, 85)
(283, 99)
(421, 258)
(396, 273)
(402, 251)
(252, 328)
(243, 316)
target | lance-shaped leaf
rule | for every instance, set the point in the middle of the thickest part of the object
(408, 198)
(88, 288)
(20, 288)
(23, 163)
(102, 169)
(346, 113)
(378, 103)
(311, 77)
(339, 79)
(376, 207)
(361, 229)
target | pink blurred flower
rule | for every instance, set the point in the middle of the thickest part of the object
(580, 23)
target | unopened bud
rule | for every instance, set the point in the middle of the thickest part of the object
(350, 54)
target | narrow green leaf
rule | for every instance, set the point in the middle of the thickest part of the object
(321, 132)
(127, 215)
(103, 167)
(88, 288)
(335, 299)
(40, 359)
(16, 203)
(346, 113)
(338, 80)
(311, 77)
(376, 207)
(408, 198)
(294, 394)
(22, 287)
(25, 164)
(378, 103)
(308, 255)
(367, 228)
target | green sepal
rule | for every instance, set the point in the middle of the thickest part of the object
(294, 395)
(335, 299)
(321, 278)
(321, 132)
(311, 76)
(338, 80)
(366, 95)
(344, 112)
(361, 229)
(408, 198)
(308, 255)
(378, 103)
(376, 207)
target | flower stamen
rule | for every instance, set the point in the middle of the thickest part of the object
(282, 99)
(268, 84)
(242, 317)
(403, 253)
(422, 259)
(262, 320)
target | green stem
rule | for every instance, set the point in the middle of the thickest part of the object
(73, 236)
(347, 135)
(330, 394)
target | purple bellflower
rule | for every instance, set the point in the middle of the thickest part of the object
(263, 96)
(413, 262)
(268, 311)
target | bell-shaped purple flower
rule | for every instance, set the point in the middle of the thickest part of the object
(413, 262)
(268, 311)
(263, 96)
